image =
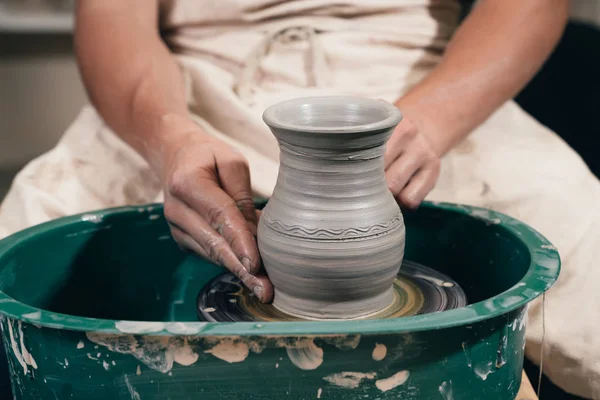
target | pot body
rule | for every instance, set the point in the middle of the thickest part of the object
(332, 235)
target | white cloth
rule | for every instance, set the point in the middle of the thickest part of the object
(241, 56)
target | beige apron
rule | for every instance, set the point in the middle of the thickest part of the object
(240, 56)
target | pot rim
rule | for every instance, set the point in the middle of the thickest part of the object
(543, 272)
(392, 118)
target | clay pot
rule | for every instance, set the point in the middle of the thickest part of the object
(332, 235)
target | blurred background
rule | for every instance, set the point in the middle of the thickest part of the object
(41, 93)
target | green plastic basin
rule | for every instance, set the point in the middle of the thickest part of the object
(102, 306)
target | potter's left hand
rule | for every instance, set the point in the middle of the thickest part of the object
(412, 165)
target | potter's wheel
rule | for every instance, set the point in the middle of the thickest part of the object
(418, 290)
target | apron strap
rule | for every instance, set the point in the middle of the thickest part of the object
(316, 63)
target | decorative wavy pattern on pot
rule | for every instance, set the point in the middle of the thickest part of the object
(334, 234)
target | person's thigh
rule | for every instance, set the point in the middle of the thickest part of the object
(89, 169)
(516, 166)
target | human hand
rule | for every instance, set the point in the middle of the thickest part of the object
(412, 166)
(209, 206)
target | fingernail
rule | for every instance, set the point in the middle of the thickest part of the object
(258, 292)
(247, 263)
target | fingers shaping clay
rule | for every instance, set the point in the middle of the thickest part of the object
(332, 236)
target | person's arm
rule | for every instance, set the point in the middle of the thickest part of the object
(493, 54)
(130, 75)
(137, 87)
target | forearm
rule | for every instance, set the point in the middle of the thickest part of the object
(494, 53)
(130, 75)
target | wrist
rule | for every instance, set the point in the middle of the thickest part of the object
(434, 118)
(171, 133)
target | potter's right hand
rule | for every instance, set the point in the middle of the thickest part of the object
(209, 206)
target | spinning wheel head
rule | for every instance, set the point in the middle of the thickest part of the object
(417, 290)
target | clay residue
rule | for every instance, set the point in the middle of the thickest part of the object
(379, 352)
(510, 301)
(520, 322)
(344, 342)
(26, 354)
(302, 352)
(132, 392)
(436, 281)
(464, 347)
(33, 315)
(18, 347)
(161, 352)
(139, 327)
(393, 381)
(157, 352)
(482, 371)
(184, 355)
(181, 328)
(230, 350)
(15, 347)
(307, 357)
(523, 321)
(502, 348)
(445, 390)
(489, 305)
(349, 380)
(489, 216)
(95, 218)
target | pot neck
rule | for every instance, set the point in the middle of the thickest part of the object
(323, 143)
(345, 155)
(342, 175)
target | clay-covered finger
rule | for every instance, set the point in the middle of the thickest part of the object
(260, 284)
(186, 220)
(234, 177)
(186, 242)
(419, 187)
(220, 211)
(193, 224)
(267, 288)
(215, 246)
(401, 171)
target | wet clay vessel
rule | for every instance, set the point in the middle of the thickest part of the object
(332, 235)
